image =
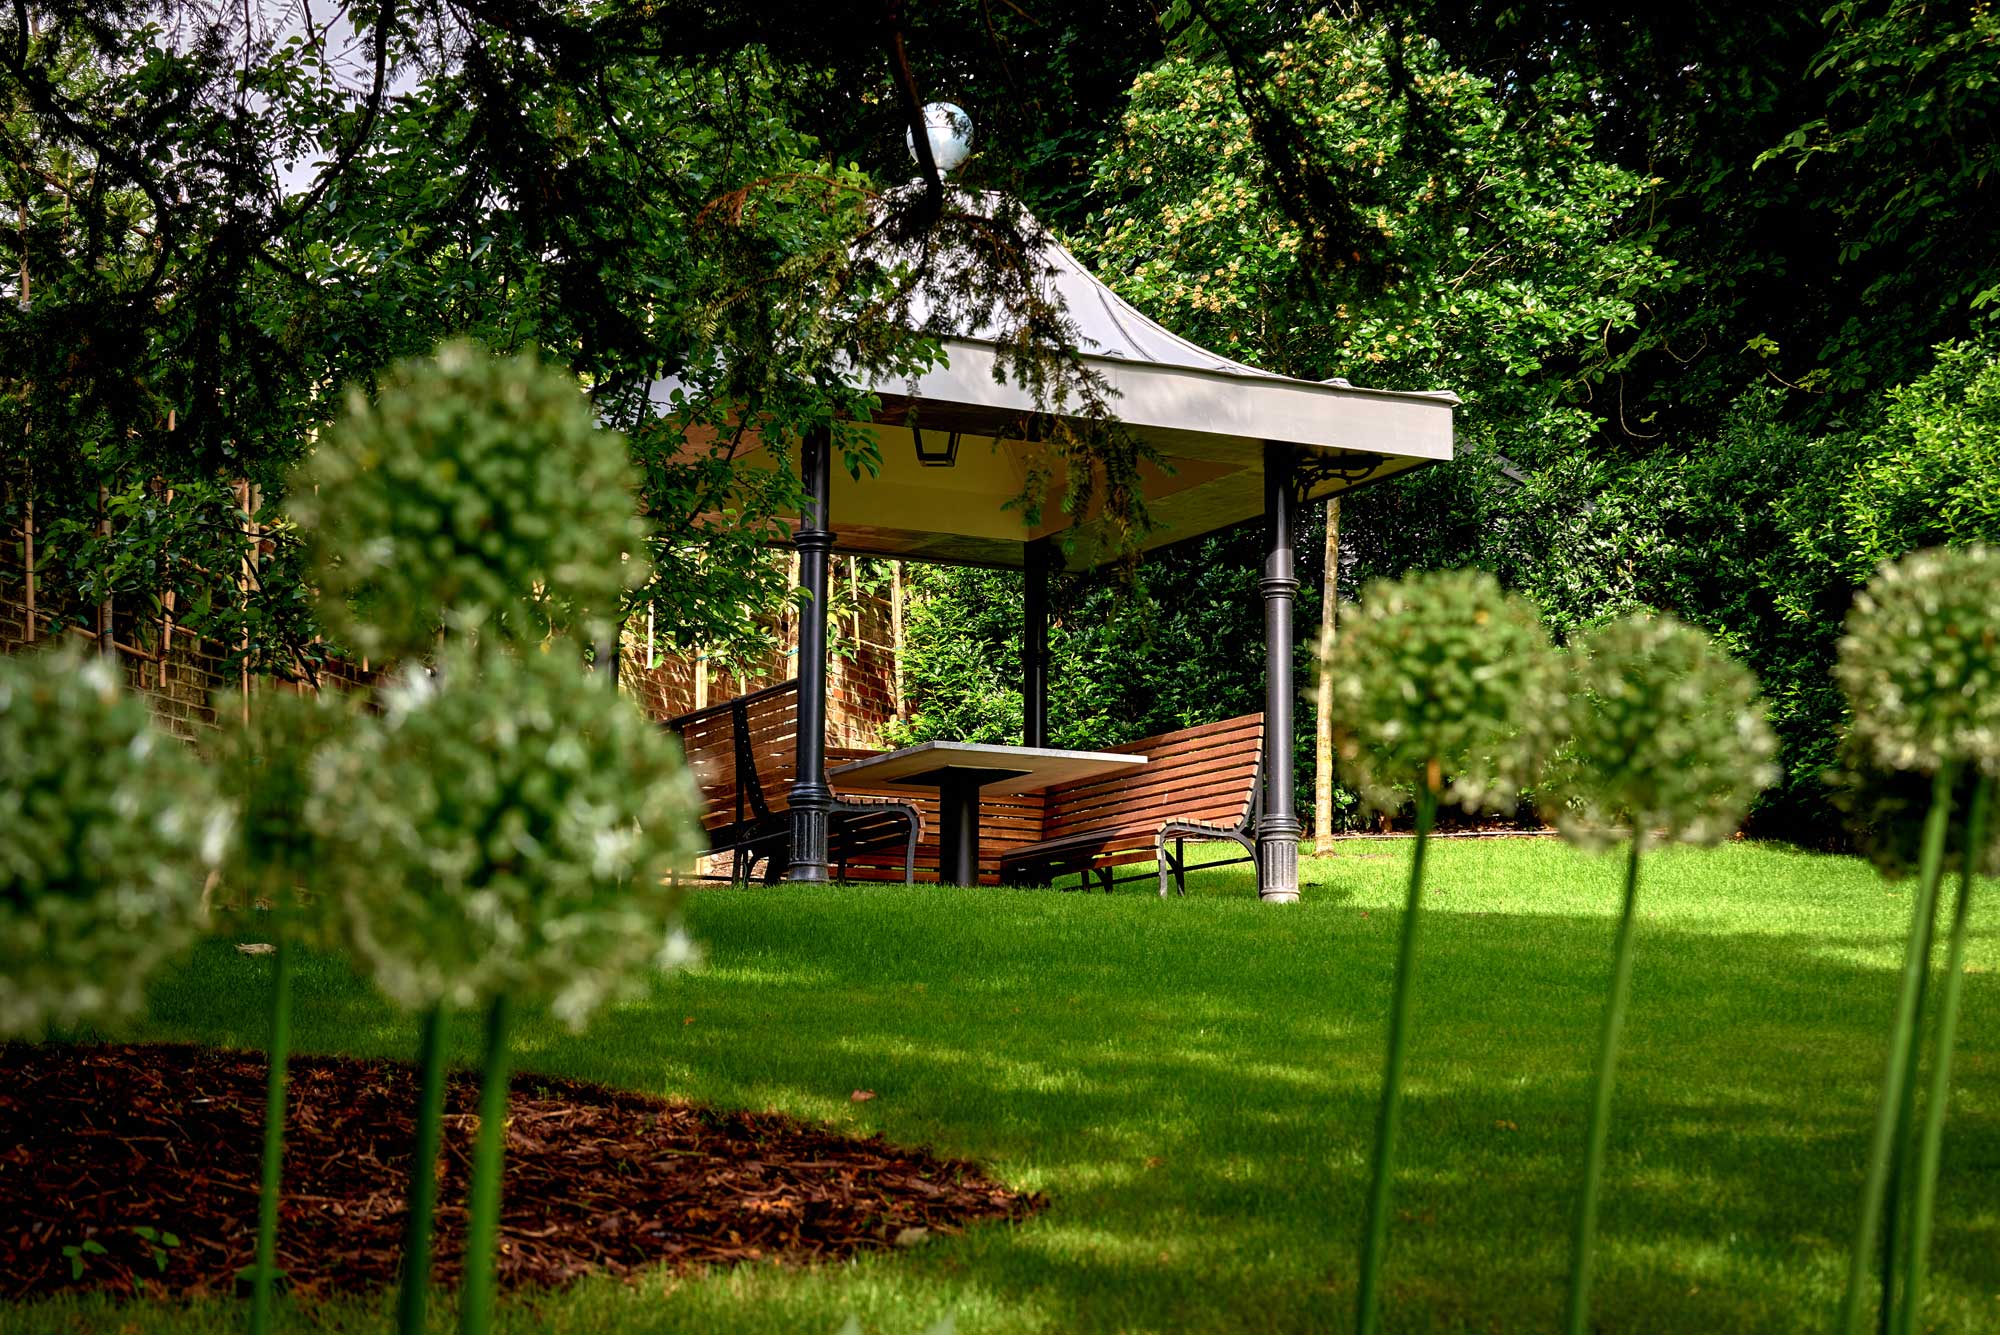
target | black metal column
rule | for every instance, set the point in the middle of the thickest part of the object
(1040, 557)
(810, 795)
(958, 828)
(1278, 827)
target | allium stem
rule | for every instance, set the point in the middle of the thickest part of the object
(1583, 1250)
(423, 1176)
(1375, 1234)
(482, 1230)
(278, 1060)
(1896, 1198)
(1931, 1149)
(1885, 1146)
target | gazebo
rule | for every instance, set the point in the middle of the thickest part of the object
(1237, 441)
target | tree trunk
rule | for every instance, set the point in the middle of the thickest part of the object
(1329, 600)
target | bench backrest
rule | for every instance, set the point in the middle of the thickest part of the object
(743, 753)
(1210, 774)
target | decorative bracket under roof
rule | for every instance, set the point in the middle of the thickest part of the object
(1311, 471)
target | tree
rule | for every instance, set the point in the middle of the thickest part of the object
(652, 195)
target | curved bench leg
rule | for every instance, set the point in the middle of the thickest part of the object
(910, 852)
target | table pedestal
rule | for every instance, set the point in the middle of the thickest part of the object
(958, 817)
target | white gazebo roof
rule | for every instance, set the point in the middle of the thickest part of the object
(1209, 418)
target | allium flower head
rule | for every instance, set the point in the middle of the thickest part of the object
(1666, 736)
(505, 826)
(1884, 811)
(1443, 675)
(1920, 662)
(474, 489)
(263, 767)
(107, 830)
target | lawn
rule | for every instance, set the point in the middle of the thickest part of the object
(1193, 1084)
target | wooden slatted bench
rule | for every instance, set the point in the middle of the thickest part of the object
(743, 754)
(1200, 785)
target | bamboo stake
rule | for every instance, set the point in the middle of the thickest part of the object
(29, 560)
(106, 641)
(244, 580)
(1329, 601)
(896, 633)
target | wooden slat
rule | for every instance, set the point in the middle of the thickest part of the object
(1206, 774)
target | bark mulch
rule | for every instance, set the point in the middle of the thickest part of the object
(106, 1145)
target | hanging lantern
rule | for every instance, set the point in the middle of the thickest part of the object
(944, 458)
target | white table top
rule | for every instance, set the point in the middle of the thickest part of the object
(1023, 769)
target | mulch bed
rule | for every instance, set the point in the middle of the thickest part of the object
(102, 1143)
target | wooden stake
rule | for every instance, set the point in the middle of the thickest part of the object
(1329, 602)
(243, 582)
(896, 637)
(105, 644)
(29, 560)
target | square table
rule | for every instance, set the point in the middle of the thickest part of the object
(959, 770)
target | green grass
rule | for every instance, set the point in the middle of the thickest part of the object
(1193, 1084)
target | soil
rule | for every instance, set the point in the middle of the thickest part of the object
(105, 1145)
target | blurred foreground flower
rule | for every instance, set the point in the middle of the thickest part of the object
(1920, 665)
(1445, 687)
(265, 751)
(107, 829)
(474, 491)
(508, 827)
(1920, 662)
(1666, 739)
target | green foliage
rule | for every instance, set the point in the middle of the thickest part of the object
(1920, 663)
(1929, 473)
(1502, 251)
(1445, 680)
(1665, 737)
(106, 829)
(474, 493)
(1113, 675)
(1904, 154)
(1884, 812)
(518, 826)
(224, 224)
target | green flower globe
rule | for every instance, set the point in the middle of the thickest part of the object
(263, 768)
(473, 491)
(1442, 675)
(506, 826)
(1920, 663)
(1667, 738)
(107, 829)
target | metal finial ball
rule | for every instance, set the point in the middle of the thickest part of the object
(950, 133)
